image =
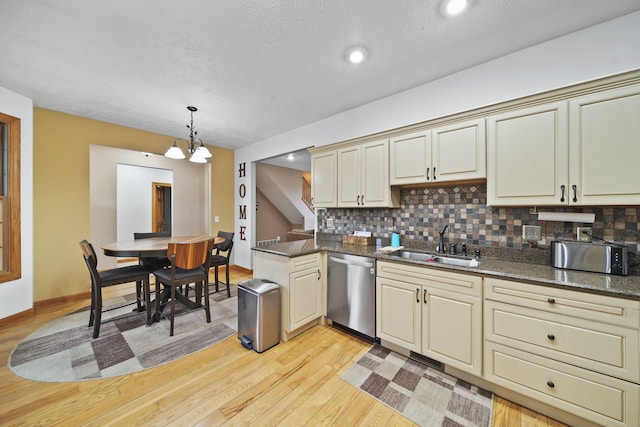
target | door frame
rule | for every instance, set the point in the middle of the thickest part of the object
(156, 205)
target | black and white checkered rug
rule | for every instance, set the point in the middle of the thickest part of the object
(424, 395)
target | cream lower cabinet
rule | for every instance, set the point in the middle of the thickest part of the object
(572, 350)
(431, 312)
(399, 313)
(301, 288)
(305, 296)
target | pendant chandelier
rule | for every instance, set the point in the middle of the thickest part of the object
(199, 153)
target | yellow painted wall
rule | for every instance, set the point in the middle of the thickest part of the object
(61, 193)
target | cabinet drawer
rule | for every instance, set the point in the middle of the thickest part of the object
(609, 349)
(303, 262)
(599, 398)
(601, 308)
(433, 277)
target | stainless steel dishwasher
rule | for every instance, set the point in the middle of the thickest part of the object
(351, 292)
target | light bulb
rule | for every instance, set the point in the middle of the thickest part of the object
(454, 7)
(356, 55)
(174, 152)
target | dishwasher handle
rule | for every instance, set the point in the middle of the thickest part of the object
(351, 262)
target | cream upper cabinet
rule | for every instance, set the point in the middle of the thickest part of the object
(410, 158)
(324, 171)
(363, 176)
(582, 151)
(459, 151)
(604, 147)
(447, 153)
(527, 156)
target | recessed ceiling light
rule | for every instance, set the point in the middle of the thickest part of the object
(454, 7)
(291, 156)
(356, 54)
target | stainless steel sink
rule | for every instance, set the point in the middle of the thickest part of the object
(421, 256)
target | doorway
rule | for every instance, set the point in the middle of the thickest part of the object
(161, 207)
(136, 200)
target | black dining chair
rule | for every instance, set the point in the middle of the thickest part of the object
(221, 257)
(189, 264)
(153, 263)
(115, 276)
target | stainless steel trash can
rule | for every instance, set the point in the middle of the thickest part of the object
(258, 314)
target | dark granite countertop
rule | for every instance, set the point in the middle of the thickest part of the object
(605, 284)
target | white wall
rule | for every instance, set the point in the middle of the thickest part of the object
(190, 192)
(606, 49)
(17, 296)
(134, 198)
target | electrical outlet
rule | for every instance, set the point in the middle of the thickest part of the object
(329, 222)
(531, 232)
(581, 236)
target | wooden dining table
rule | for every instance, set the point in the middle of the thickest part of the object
(157, 247)
(152, 247)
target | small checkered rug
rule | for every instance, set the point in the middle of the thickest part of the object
(424, 395)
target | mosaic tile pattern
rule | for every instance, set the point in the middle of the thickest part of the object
(424, 395)
(425, 211)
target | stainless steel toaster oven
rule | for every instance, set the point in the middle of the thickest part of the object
(588, 256)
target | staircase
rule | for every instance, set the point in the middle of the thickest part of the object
(289, 191)
(306, 193)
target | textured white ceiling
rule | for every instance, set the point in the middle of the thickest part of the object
(256, 68)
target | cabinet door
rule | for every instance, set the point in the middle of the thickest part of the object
(375, 174)
(324, 171)
(604, 147)
(527, 156)
(452, 329)
(398, 313)
(349, 163)
(410, 158)
(459, 151)
(305, 294)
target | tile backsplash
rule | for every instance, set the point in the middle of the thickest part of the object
(425, 211)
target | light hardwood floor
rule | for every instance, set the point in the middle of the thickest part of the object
(292, 384)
